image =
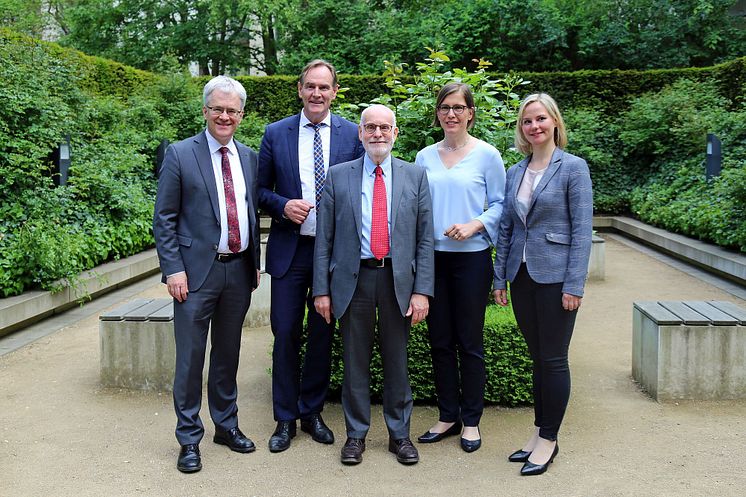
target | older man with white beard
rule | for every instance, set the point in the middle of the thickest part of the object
(373, 265)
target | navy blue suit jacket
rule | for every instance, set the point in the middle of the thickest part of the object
(279, 180)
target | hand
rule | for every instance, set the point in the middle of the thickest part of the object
(501, 297)
(418, 307)
(258, 279)
(570, 302)
(177, 286)
(464, 231)
(323, 305)
(297, 210)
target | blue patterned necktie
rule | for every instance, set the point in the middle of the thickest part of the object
(318, 161)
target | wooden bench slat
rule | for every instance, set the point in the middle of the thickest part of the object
(686, 313)
(165, 313)
(715, 315)
(119, 313)
(144, 312)
(658, 313)
(738, 313)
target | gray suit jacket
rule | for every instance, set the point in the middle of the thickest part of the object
(339, 234)
(558, 228)
(186, 222)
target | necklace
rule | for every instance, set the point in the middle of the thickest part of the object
(453, 149)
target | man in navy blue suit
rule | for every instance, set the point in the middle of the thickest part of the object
(294, 156)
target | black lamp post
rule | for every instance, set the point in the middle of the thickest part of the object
(714, 156)
(62, 162)
(160, 154)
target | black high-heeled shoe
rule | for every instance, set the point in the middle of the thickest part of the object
(429, 437)
(471, 445)
(531, 469)
(519, 456)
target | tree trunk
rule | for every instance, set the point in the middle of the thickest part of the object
(270, 47)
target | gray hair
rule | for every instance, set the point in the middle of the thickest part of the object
(225, 84)
(362, 115)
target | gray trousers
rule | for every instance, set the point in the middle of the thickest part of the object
(220, 305)
(374, 303)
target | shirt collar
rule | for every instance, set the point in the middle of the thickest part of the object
(370, 167)
(215, 145)
(304, 120)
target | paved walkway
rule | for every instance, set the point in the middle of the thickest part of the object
(64, 435)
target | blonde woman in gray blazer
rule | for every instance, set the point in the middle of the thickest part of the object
(544, 243)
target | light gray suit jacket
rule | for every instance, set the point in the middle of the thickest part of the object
(186, 222)
(339, 234)
(558, 229)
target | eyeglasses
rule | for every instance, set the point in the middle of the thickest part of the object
(218, 111)
(443, 110)
(371, 128)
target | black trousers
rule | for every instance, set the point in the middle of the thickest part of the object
(547, 329)
(456, 327)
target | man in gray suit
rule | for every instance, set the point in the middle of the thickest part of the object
(374, 263)
(207, 237)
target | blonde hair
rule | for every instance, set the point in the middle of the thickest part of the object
(560, 134)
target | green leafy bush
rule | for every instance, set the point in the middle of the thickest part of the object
(506, 357)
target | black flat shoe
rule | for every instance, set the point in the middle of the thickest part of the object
(531, 469)
(189, 460)
(519, 456)
(234, 439)
(471, 445)
(429, 437)
(280, 439)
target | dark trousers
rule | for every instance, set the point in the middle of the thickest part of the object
(298, 393)
(374, 303)
(220, 305)
(547, 329)
(456, 327)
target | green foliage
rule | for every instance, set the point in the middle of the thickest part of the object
(506, 358)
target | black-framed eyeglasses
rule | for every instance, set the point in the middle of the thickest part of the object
(370, 128)
(443, 110)
(218, 111)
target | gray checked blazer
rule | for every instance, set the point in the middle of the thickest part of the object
(558, 229)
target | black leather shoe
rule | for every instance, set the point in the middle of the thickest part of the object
(471, 445)
(406, 452)
(519, 456)
(429, 437)
(531, 469)
(280, 439)
(189, 459)
(352, 452)
(318, 430)
(234, 439)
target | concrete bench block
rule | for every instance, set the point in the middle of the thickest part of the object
(597, 262)
(689, 350)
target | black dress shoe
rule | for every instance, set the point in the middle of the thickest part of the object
(519, 456)
(531, 469)
(471, 445)
(352, 452)
(234, 439)
(319, 431)
(429, 437)
(280, 439)
(189, 459)
(406, 452)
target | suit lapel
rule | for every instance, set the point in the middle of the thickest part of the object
(204, 163)
(292, 141)
(552, 168)
(334, 140)
(397, 187)
(245, 157)
(355, 189)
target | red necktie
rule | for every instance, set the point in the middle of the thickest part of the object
(379, 226)
(234, 233)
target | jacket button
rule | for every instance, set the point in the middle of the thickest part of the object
(214, 247)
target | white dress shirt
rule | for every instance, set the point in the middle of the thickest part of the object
(306, 165)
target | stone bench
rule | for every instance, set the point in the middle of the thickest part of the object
(137, 345)
(689, 349)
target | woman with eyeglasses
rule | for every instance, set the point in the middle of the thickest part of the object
(465, 174)
(543, 248)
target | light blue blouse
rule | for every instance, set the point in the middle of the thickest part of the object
(460, 194)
